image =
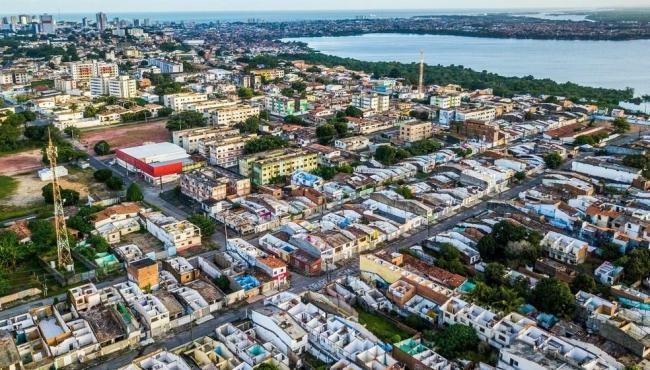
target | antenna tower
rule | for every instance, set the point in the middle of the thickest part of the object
(64, 257)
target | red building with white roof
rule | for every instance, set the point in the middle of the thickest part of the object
(157, 163)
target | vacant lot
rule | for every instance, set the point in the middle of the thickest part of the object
(27, 193)
(27, 161)
(126, 136)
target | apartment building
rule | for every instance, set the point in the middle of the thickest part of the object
(191, 139)
(152, 313)
(179, 235)
(84, 71)
(264, 166)
(352, 143)
(283, 106)
(565, 248)
(225, 151)
(278, 327)
(120, 87)
(415, 131)
(179, 102)
(484, 114)
(370, 101)
(269, 74)
(230, 116)
(165, 66)
(445, 101)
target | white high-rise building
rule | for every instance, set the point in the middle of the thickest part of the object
(122, 87)
(102, 21)
(48, 24)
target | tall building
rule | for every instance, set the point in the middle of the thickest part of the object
(48, 24)
(84, 22)
(120, 87)
(24, 19)
(374, 102)
(84, 71)
(166, 66)
(102, 21)
(265, 166)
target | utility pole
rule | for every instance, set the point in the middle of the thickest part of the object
(421, 80)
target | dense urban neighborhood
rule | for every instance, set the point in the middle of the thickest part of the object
(210, 196)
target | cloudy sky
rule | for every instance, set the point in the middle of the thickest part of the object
(85, 6)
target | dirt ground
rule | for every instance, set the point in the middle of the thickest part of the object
(126, 136)
(23, 162)
(28, 192)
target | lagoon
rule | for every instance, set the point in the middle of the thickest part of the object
(610, 64)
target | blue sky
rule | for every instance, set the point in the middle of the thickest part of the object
(85, 6)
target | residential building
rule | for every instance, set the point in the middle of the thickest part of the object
(144, 272)
(191, 139)
(158, 360)
(206, 183)
(274, 325)
(165, 66)
(179, 235)
(179, 102)
(445, 101)
(230, 116)
(564, 248)
(122, 87)
(48, 24)
(352, 143)
(607, 273)
(226, 151)
(263, 167)
(373, 102)
(284, 106)
(84, 71)
(414, 131)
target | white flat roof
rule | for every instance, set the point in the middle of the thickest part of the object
(154, 150)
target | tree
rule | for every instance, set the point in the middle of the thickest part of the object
(610, 251)
(204, 223)
(90, 111)
(488, 248)
(553, 296)
(636, 265)
(264, 143)
(404, 191)
(520, 176)
(77, 222)
(133, 193)
(185, 120)
(102, 148)
(102, 175)
(245, 92)
(637, 161)
(385, 154)
(553, 160)
(223, 283)
(352, 111)
(583, 282)
(250, 126)
(455, 340)
(295, 120)
(43, 233)
(98, 243)
(115, 183)
(326, 133)
(449, 259)
(495, 274)
(10, 249)
(621, 125)
(69, 197)
(341, 129)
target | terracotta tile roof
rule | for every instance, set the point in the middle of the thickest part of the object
(120, 209)
(272, 262)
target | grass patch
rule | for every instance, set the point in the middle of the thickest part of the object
(381, 327)
(40, 210)
(7, 186)
(314, 362)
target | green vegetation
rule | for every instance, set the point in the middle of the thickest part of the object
(584, 282)
(510, 242)
(327, 173)
(115, 183)
(404, 191)
(422, 147)
(102, 148)
(590, 139)
(500, 298)
(382, 328)
(636, 265)
(204, 223)
(250, 126)
(264, 143)
(388, 154)
(185, 120)
(456, 340)
(621, 125)
(470, 79)
(553, 160)
(353, 111)
(641, 162)
(448, 258)
(553, 296)
(294, 120)
(7, 186)
(68, 196)
(164, 84)
(133, 193)
(326, 133)
(245, 92)
(102, 175)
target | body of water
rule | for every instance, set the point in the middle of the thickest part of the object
(611, 64)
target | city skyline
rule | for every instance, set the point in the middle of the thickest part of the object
(74, 6)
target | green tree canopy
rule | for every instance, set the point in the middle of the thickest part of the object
(185, 120)
(133, 193)
(326, 134)
(553, 296)
(102, 148)
(455, 340)
(204, 223)
(264, 143)
(553, 160)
